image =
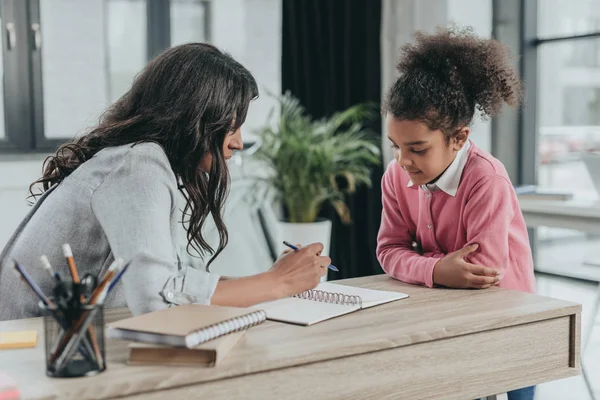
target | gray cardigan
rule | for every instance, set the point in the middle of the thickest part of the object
(120, 203)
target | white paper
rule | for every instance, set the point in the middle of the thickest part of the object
(307, 312)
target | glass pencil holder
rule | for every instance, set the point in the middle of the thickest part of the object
(74, 340)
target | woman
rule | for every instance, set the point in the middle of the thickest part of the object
(113, 193)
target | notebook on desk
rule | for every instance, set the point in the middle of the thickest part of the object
(186, 326)
(209, 354)
(326, 301)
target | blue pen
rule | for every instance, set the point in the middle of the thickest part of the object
(116, 279)
(20, 272)
(291, 246)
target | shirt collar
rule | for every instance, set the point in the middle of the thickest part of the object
(450, 178)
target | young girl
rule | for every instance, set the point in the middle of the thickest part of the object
(113, 193)
(450, 214)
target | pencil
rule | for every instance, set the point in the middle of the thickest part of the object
(75, 274)
(69, 256)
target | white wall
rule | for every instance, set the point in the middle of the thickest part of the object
(73, 65)
(15, 177)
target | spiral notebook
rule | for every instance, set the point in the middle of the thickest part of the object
(186, 326)
(326, 301)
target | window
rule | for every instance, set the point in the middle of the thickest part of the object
(126, 40)
(582, 108)
(74, 77)
(568, 111)
(189, 21)
(583, 53)
(561, 18)
(71, 59)
(566, 49)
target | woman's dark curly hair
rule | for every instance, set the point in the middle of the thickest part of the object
(447, 75)
(186, 100)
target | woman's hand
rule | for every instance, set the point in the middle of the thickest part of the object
(297, 271)
(293, 273)
(453, 271)
(287, 251)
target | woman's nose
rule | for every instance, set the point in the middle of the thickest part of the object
(236, 144)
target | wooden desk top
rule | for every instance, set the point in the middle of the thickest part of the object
(427, 315)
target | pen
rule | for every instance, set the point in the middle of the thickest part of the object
(291, 246)
(99, 294)
(21, 273)
(24, 275)
(75, 339)
(114, 282)
(97, 297)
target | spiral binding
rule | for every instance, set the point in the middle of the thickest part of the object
(225, 327)
(329, 297)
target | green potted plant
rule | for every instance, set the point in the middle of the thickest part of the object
(313, 162)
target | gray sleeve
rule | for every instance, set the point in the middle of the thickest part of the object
(134, 206)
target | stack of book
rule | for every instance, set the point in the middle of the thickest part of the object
(190, 334)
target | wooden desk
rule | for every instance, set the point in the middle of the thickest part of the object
(437, 344)
(572, 214)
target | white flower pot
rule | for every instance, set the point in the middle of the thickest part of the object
(305, 234)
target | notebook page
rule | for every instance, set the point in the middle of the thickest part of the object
(303, 312)
(370, 297)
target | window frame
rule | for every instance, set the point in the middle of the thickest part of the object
(17, 103)
(22, 66)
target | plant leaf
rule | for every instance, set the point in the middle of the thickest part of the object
(306, 156)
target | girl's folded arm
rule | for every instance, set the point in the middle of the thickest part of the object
(394, 242)
(488, 213)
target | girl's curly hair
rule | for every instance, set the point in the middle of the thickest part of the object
(447, 75)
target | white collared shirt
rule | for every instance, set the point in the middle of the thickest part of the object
(450, 179)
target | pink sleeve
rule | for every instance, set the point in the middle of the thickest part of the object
(487, 217)
(394, 241)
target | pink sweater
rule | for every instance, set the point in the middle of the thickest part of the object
(485, 210)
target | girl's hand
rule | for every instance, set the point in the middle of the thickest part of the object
(453, 271)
